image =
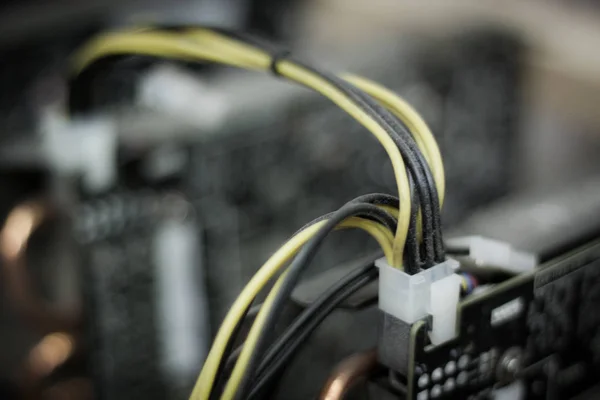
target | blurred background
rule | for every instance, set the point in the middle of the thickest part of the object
(128, 233)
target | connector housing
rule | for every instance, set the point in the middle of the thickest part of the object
(409, 297)
(494, 253)
(406, 299)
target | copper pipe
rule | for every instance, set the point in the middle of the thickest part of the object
(21, 223)
(49, 354)
(71, 389)
(347, 373)
(59, 329)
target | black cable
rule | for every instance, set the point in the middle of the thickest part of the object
(420, 184)
(426, 188)
(370, 211)
(408, 152)
(308, 312)
(375, 214)
(412, 253)
(221, 375)
(392, 125)
(378, 199)
(397, 131)
(390, 119)
(301, 326)
(381, 216)
(87, 91)
(281, 352)
(416, 165)
(293, 273)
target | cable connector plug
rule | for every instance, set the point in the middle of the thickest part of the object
(409, 298)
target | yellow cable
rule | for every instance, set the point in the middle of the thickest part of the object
(172, 46)
(158, 44)
(259, 280)
(390, 209)
(326, 89)
(314, 81)
(238, 372)
(236, 376)
(210, 46)
(414, 122)
(254, 333)
(423, 136)
(299, 74)
(244, 52)
(398, 106)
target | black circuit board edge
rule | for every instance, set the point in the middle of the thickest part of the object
(547, 318)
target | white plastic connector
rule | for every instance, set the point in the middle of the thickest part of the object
(495, 253)
(409, 298)
(87, 146)
(444, 297)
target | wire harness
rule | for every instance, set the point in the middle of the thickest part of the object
(406, 227)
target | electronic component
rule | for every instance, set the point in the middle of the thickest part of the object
(179, 175)
(136, 324)
(529, 329)
(418, 288)
(493, 253)
(137, 234)
(405, 299)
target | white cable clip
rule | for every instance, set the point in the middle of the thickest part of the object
(494, 253)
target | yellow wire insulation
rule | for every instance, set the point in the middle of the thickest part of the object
(207, 45)
(254, 333)
(258, 281)
(250, 342)
(415, 124)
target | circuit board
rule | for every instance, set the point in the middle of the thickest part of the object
(119, 296)
(131, 289)
(537, 334)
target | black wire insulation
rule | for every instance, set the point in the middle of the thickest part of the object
(295, 334)
(376, 213)
(371, 108)
(421, 179)
(294, 271)
(432, 236)
(222, 371)
(402, 138)
(395, 123)
(83, 88)
(431, 218)
(420, 197)
(382, 199)
(371, 211)
(413, 158)
(307, 314)
(282, 351)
